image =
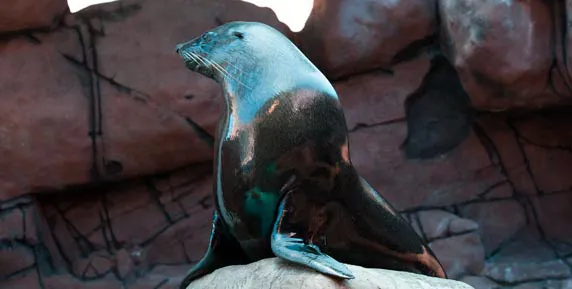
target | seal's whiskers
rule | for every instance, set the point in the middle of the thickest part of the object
(221, 69)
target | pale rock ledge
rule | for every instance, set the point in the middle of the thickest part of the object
(275, 273)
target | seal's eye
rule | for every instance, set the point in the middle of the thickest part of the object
(238, 35)
(206, 37)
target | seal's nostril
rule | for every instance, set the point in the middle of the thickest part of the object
(178, 47)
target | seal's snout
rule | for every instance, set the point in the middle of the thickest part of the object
(179, 47)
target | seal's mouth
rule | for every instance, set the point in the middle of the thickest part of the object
(194, 60)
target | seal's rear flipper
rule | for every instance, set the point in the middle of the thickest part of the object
(287, 246)
(223, 251)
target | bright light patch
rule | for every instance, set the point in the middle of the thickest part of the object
(77, 5)
(293, 13)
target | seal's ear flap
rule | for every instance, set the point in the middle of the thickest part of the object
(238, 34)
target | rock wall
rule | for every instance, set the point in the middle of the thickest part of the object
(458, 111)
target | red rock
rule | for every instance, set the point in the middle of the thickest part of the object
(527, 271)
(500, 137)
(554, 213)
(458, 176)
(15, 257)
(439, 224)
(164, 277)
(184, 242)
(462, 226)
(29, 280)
(498, 221)
(528, 286)
(69, 282)
(374, 98)
(559, 284)
(132, 218)
(477, 36)
(124, 263)
(94, 266)
(479, 282)
(346, 37)
(547, 142)
(460, 255)
(140, 43)
(11, 224)
(526, 246)
(20, 15)
(56, 125)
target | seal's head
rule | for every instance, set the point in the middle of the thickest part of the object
(248, 55)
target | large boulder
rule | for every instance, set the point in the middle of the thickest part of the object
(345, 37)
(502, 50)
(30, 14)
(105, 97)
(276, 273)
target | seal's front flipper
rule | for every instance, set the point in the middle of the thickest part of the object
(287, 245)
(223, 251)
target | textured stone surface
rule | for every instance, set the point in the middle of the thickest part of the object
(50, 146)
(376, 98)
(111, 100)
(345, 37)
(280, 274)
(440, 224)
(30, 14)
(480, 282)
(136, 234)
(460, 255)
(477, 35)
(475, 184)
(529, 271)
(493, 232)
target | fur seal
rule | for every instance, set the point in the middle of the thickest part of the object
(284, 182)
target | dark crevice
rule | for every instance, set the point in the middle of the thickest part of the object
(361, 125)
(17, 273)
(59, 246)
(421, 228)
(505, 243)
(107, 223)
(33, 39)
(96, 107)
(451, 235)
(493, 153)
(24, 223)
(57, 23)
(559, 32)
(83, 244)
(142, 97)
(524, 156)
(163, 282)
(375, 71)
(492, 187)
(121, 13)
(185, 253)
(201, 132)
(155, 196)
(450, 208)
(543, 146)
(438, 113)
(414, 49)
(137, 95)
(152, 238)
(203, 202)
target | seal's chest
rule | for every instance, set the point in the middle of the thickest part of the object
(260, 207)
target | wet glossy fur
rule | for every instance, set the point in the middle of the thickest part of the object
(284, 181)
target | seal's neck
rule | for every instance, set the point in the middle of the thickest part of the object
(249, 84)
